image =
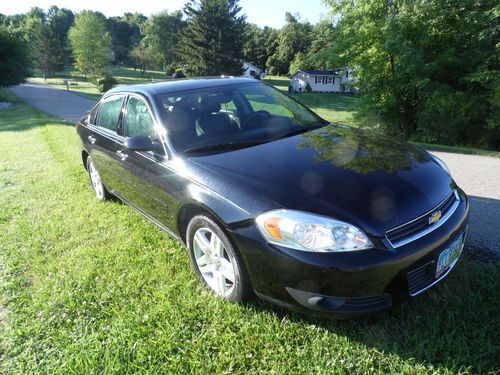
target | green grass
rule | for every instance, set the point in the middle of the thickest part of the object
(91, 287)
(334, 107)
(80, 85)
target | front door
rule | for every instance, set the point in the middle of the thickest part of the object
(144, 174)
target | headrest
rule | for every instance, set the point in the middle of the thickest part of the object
(211, 104)
(177, 119)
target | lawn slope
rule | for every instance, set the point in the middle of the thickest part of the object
(90, 287)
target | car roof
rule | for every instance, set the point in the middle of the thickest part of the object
(151, 89)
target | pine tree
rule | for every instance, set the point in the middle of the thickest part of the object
(212, 41)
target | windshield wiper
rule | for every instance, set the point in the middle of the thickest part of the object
(224, 146)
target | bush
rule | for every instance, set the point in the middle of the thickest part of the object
(106, 82)
(308, 88)
(14, 62)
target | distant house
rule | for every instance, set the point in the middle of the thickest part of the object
(334, 80)
(250, 70)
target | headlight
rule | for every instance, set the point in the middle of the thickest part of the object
(441, 164)
(309, 232)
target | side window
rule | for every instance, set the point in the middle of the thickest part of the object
(110, 112)
(138, 120)
(94, 113)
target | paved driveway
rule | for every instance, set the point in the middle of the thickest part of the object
(59, 103)
(479, 176)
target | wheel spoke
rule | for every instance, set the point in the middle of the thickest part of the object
(208, 268)
(216, 245)
(227, 270)
(221, 283)
(202, 261)
(202, 242)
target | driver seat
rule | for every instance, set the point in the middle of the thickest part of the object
(213, 123)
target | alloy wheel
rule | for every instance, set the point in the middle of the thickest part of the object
(95, 179)
(214, 262)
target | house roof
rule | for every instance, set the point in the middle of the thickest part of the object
(251, 65)
(313, 72)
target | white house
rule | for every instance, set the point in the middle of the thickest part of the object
(335, 80)
(250, 70)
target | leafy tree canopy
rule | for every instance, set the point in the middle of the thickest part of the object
(91, 44)
(427, 69)
(14, 58)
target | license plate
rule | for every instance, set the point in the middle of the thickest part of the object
(448, 256)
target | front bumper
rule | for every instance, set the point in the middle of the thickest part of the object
(347, 284)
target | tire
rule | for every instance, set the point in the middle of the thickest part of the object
(100, 190)
(216, 261)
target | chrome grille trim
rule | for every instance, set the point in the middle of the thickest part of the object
(428, 229)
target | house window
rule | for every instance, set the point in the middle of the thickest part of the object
(325, 80)
(316, 80)
(330, 80)
(252, 73)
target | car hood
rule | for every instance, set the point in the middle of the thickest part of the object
(345, 173)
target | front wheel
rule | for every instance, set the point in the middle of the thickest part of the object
(216, 261)
(95, 180)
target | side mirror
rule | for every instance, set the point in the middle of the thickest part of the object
(142, 143)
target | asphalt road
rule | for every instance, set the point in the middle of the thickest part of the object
(59, 103)
(479, 176)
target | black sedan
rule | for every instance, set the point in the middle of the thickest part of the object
(273, 200)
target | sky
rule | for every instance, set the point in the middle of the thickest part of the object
(261, 12)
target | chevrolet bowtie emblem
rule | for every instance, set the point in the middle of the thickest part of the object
(435, 216)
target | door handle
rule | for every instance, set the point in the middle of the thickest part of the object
(123, 156)
(91, 139)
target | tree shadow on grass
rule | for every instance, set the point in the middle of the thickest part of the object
(14, 119)
(453, 326)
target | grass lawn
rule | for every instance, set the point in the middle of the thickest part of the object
(80, 85)
(91, 287)
(334, 107)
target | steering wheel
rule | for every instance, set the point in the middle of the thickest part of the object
(264, 115)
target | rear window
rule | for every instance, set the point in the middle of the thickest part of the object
(110, 112)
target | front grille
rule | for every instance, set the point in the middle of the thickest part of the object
(421, 226)
(420, 278)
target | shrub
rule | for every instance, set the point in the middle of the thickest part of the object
(106, 82)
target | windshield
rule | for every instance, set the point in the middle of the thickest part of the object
(245, 114)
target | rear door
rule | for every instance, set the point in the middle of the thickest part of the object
(104, 136)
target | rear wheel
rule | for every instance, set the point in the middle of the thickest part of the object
(216, 261)
(95, 180)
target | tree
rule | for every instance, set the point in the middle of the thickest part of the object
(322, 41)
(91, 45)
(143, 58)
(124, 35)
(299, 63)
(60, 20)
(294, 37)
(47, 50)
(426, 69)
(161, 37)
(256, 44)
(212, 41)
(14, 58)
